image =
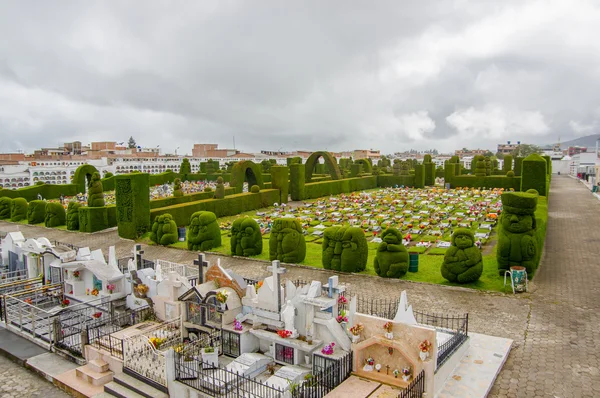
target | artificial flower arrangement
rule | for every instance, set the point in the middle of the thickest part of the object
(97, 315)
(284, 334)
(142, 289)
(110, 287)
(396, 372)
(342, 300)
(370, 361)
(222, 296)
(28, 300)
(237, 325)
(406, 371)
(328, 349)
(76, 274)
(258, 286)
(388, 326)
(65, 302)
(342, 317)
(425, 346)
(157, 341)
(95, 292)
(357, 329)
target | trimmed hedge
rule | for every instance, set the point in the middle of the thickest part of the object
(246, 171)
(177, 192)
(533, 174)
(203, 232)
(55, 215)
(518, 166)
(281, 180)
(386, 180)
(355, 170)
(73, 216)
(5, 208)
(36, 211)
(429, 173)
(193, 197)
(367, 167)
(92, 219)
(220, 189)
(82, 177)
(294, 160)
(326, 188)
(19, 210)
(548, 160)
(297, 181)
(463, 262)
(419, 176)
(246, 238)
(486, 181)
(334, 168)
(48, 191)
(163, 178)
(345, 249)
(230, 206)
(111, 212)
(185, 168)
(164, 230)
(391, 259)
(449, 172)
(108, 183)
(95, 191)
(287, 242)
(133, 204)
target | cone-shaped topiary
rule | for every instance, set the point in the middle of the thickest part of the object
(95, 192)
(36, 211)
(480, 169)
(517, 244)
(462, 262)
(246, 238)
(220, 189)
(287, 242)
(5, 207)
(55, 215)
(19, 209)
(203, 232)
(73, 216)
(488, 166)
(164, 230)
(185, 168)
(391, 260)
(177, 192)
(345, 249)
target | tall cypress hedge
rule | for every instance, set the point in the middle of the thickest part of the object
(36, 211)
(297, 181)
(95, 191)
(507, 165)
(449, 172)
(133, 204)
(73, 216)
(419, 176)
(533, 174)
(518, 166)
(280, 179)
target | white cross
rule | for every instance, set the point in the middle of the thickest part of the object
(277, 271)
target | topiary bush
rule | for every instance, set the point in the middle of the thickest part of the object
(164, 230)
(533, 174)
(255, 189)
(297, 181)
(480, 169)
(391, 260)
(510, 174)
(517, 244)
(488, 166)
(280, 179)
(177, 191)
(287, 242)
(39, 183)
(185, 168)
(5, 207)
(133, 205)
(507, 163)
(95, 191)
(345, 249)
(36, 211)
(463, 262)
(203, 232)
(220, 189)
(19, 210)
(73, 216)
(55, 215)
(246, 238)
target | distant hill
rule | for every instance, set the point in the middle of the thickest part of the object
(587, 141)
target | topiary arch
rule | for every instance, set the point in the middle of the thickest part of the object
(83, 175)
(367, 167)
(246, 171)
(332, 165)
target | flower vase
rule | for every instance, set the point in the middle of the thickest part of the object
(355, 339)
(110, 292)
(389, 335)
(307, 359)
(223, 306)
(423, 355)
(405, 377)
(343, 325)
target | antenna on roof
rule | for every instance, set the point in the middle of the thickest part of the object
(234, 142)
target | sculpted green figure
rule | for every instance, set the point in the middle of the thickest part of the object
(220, 189)
(462, 262)
(345, 249)
(5, 207)
(391, 260)
(203, 232)
(287, 242)
(246, 238)
(164, 230)
(19, 209)
(36, 211)
(95, 192)
(73, 216)
(55, 215)
(517, 244)
(177, 192)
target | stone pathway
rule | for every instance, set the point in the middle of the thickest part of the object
(555, 328)
(20, 382)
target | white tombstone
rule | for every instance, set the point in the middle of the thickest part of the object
(405, 312)
(288, 315)
(315, 290)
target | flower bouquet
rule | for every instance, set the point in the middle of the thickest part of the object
(110, 287)
(142, 289)
(95, 292)
(157, 342)
(342, 300)
(424, 348)
(76, 274)
(396, 373)
(237, 325)
(97, 315)
(405, 374)
(356, 330)
(65, 303)
(258, 286)
(222, 296)
(328, 349)
(388, 326)
(342, 317)
(284, 334)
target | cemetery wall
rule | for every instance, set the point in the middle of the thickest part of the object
(314, 190)
(486, 181)
(158, 203)
(229, 206)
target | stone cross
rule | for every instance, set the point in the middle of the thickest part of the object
(277, 271)
(137, 253)
(202, 264)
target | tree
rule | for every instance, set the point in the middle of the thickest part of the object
(499, 155)
(524, 150)
(131, 143)
(488, 154)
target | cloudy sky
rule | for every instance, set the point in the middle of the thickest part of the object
(284, 75)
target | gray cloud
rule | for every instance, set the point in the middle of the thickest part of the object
(298, 75)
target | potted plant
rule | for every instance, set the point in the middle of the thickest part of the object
(76, 275)
(110, 287)
(356, 330)
(424, 348)
(156, 341)
(328, 349)
(405, 373)
(222, 298)
(388, 326)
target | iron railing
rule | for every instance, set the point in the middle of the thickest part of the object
(327, 375)
(416, 388)
(453, 330)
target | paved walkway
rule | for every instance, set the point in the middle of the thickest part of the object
(19, 382)
(555, 328)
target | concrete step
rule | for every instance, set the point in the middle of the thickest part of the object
(87, 373)
(116, 390)
(138, 386)
(98, 365)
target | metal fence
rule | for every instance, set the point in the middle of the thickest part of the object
(220, 382)
(416, 388)
(454, 327)
(327, 374)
